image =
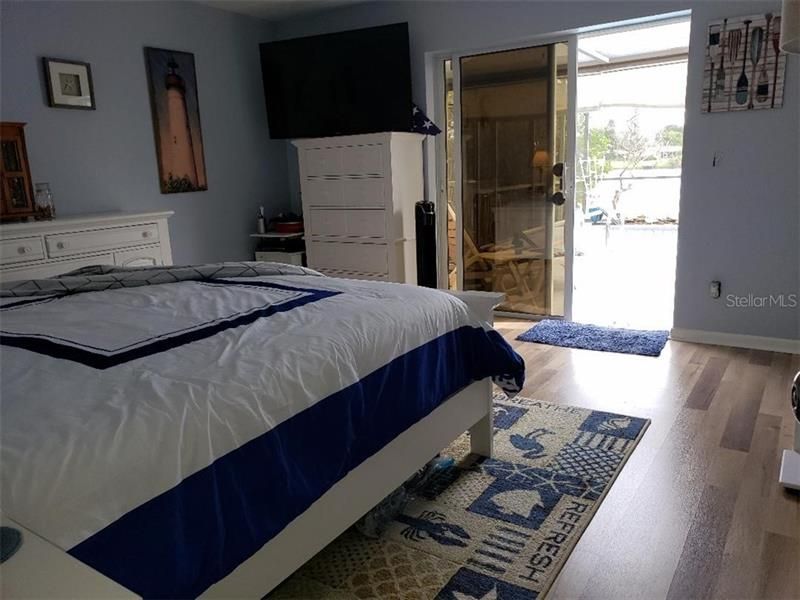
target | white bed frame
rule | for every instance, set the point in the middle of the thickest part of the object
(41, 570)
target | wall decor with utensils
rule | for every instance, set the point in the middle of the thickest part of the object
(745, 67)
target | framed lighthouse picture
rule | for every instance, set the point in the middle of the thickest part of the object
(176, 120)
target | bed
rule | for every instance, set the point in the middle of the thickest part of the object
(187, 431)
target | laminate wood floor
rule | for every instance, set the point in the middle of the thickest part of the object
(697, 512)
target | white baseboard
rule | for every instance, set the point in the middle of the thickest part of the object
(737, 340)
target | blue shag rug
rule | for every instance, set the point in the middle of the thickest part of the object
(594, 337)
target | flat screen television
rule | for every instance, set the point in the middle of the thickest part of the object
(345, 83)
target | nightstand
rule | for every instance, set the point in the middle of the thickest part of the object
(290, 258)
(288, 248)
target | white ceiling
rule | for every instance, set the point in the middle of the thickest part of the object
(274, 10)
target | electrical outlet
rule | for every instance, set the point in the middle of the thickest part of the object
(715, 289)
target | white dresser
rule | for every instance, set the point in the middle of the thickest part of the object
(41, 249)
(358, 195)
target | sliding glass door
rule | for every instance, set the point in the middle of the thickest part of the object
(510, 159)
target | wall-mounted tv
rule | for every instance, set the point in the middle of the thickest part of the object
(344, 83)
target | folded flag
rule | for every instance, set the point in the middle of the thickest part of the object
(420, 123)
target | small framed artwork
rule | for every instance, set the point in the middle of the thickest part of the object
(69, 83)
(745, 67)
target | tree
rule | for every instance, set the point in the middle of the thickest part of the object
(671, 135)
(613, 139)
(601, 143)
(632, 144)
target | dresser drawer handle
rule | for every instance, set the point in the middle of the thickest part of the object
(145, 234)
(61, 245)
(23, 249)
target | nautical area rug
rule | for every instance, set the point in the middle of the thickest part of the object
(491, 529)
(594, 337)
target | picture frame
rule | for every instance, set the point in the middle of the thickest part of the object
(69, 83)
(174, 100)
(745, 67)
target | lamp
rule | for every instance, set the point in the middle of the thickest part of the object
(790, 26)
(541, 158)
(540, 162)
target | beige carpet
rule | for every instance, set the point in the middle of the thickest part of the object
(494, 529)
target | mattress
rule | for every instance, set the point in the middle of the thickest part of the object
(163, 424)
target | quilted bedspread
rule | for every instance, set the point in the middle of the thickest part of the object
(163, 424)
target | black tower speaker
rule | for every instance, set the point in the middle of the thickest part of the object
(425, 216)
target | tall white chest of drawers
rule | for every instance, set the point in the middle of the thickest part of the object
(358, 195)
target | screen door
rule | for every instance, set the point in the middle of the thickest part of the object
(513, 126)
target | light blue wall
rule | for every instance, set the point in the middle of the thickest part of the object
(740, 221)
(106, 159)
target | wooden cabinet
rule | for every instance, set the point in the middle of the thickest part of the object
(16, 191)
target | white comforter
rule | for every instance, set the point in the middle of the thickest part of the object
(111, 399)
